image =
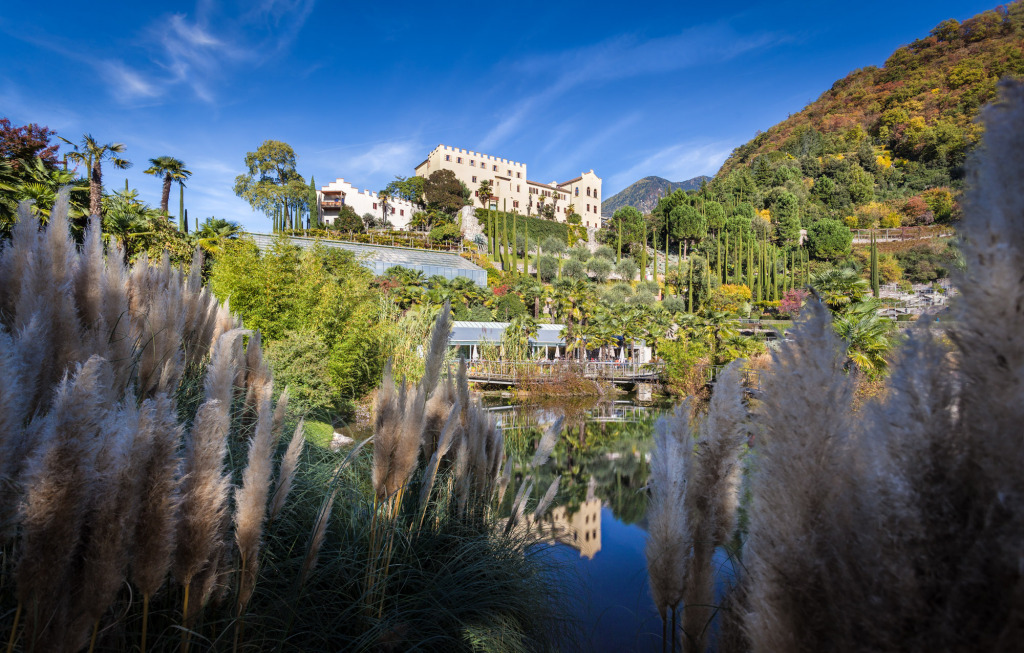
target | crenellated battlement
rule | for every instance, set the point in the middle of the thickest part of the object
(478, 155)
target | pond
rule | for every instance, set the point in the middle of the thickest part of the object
(603, 456)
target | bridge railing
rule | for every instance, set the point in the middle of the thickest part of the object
(607, 370)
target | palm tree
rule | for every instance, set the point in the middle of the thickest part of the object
(868, 337)
(171, 170)
(126, 218)
(215, 232)
(484, 193)
(840, 288)
(93, 153)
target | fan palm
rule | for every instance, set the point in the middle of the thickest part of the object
(126, 218)
(171, 170)
(93, 154)
(840, 288)
(215, 232)
(868, 337)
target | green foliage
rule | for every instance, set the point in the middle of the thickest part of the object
(574, 269)
(318, 290)
(448, 233)
(409, 189)
(548, 267)
(580, 253)
(480, 313)
(829, 239)
(348, 221)
(600, 268)
(443, 192)
(543, 231)
(319, 433)
(627, 269)
(300, 363)
(272, 181)
(508, 306)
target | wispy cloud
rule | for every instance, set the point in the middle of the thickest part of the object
(619, 58)
(677, 162)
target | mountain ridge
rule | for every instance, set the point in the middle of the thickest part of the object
(643, 194)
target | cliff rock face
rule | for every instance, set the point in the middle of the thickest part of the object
(644, 194)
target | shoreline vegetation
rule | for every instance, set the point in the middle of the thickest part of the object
(158, 492)
(895, 527)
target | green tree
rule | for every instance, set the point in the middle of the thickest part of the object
(829, 239)
(93, 153)
(443, 192)
(785, 209)
(170, 170)
(687, 224)
(839, 288)
(267, 186)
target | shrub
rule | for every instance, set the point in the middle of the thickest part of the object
(574, 269)
(605, 252)
(508, 306)
(548, 267)
(627, 269)
(829, 239)
(730, 297)
(553, 245)
(674, 304)
(319, 433)
(643, 297)
(480, 313)
(600, 268)
(446, 233)
(300, 363)
(579, 253)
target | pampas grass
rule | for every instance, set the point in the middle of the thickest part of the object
(899, 527)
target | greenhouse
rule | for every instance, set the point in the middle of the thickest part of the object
(378, 258)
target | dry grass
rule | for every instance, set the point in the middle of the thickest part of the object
(898, 526)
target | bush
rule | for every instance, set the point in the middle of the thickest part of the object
(446, 233)
(600, 268)
(579, 253)
(605, 252)
(627, 269)
(829, 239)
(548, 267)
(300, 363)
(319, 433)
(508, 306)
(480, 313)
(650, 286)
(730, 297)
(674, 304)
(539, 229)
(574, 269)
(643, 297)
(552, 245)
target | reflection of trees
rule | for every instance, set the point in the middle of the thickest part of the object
(613, 453)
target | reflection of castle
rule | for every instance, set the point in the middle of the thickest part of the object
(581, 529)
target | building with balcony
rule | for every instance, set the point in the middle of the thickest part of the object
(339, 193)
(512, 190)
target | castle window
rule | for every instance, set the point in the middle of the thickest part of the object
(509, 173)
(519, 175)
(472, 162)
(401, 212)
(517, 187)
(577, 191)
(458, 159)
(374, 205)
(588, 191)
(494, 168)
(447, 157)
(474, 179)
(515, 204)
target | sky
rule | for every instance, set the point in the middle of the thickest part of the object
(364, 91)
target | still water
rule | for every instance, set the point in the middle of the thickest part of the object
(603, 456)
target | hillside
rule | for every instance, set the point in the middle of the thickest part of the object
(885, 143)
(644, 193)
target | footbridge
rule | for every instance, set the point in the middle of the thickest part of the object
(513, 373)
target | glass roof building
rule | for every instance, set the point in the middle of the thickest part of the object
(489, 333)
(378, 258)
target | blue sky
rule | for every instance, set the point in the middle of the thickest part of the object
(365, 90)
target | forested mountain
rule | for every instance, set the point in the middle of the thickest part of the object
(644, 193)
(884, 146)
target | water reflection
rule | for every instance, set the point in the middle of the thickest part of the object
(598, 525)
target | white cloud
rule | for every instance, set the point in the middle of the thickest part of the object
(622, 57)
(677, 162)
(126, 84)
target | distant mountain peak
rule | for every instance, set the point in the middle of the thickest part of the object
(644, 193)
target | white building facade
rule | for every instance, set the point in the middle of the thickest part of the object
(512, 190)
(339, 193)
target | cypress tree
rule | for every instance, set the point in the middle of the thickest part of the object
(689, 284)
(875, 289)
(515, 246)
(643, 255)
(618, 256)
(725, 260)
(680, 266)
(750, 265)
(182, 223)
(526, 249)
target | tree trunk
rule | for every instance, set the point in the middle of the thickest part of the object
(165, 197)
(96, 189)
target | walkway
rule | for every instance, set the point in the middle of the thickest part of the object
(509, 373)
